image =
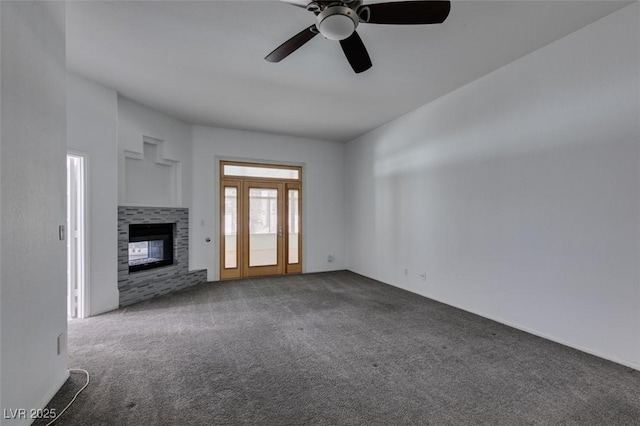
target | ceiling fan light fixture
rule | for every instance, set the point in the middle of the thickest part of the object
(338, 19)
(337, 22)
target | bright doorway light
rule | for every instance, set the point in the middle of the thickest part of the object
(76, 217)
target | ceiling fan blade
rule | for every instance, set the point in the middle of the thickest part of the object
(293, 44)
(406, 12)
(356, 53)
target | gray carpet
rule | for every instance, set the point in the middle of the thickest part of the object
(333, 349)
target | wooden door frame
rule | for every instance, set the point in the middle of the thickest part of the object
(241, 243)
(230, 273)
(293, 268)
(278, 268)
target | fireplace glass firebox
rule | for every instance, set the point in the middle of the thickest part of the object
(150, 246)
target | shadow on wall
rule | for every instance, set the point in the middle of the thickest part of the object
(439, 137)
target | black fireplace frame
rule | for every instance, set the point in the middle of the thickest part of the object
(164, 232)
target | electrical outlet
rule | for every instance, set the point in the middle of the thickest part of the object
(423, 276)
(406, 271)
(330, 258)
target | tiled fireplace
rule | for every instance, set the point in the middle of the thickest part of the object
(137, 285)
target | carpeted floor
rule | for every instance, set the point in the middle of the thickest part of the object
(333, 349)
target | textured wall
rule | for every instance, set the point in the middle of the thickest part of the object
(323, 219)
(518, 195)
(92, 124)
(33, 188)
(172, 138)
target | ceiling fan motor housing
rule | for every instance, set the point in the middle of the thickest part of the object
(337, 22)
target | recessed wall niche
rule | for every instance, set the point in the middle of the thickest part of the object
(150, 179)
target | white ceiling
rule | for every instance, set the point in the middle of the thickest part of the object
(202, 61)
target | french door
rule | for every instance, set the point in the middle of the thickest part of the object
(260, 220)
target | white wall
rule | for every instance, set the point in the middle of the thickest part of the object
(32, 157)
(135, 123)
(1, 404)
(323, 192)
(518, 194)
(92, 130)
(102, 125)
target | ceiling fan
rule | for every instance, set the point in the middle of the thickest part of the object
(338, 20)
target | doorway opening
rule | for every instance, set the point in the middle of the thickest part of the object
(76, 230)
(260, 219)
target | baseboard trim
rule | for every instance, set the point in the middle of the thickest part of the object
(103, 311)
(520, 327)
(49, 395)
(546, 336)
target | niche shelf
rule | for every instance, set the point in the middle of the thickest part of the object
(150, 178)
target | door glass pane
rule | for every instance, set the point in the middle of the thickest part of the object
(263, 172)
(294, 223)
(230, 227)
(263, 227)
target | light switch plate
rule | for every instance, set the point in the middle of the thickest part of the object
(60, 343)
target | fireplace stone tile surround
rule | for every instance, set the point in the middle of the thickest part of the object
(138, 286)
